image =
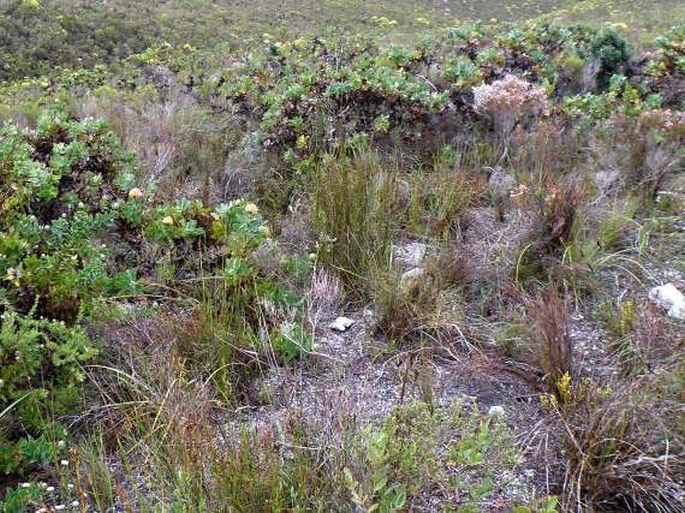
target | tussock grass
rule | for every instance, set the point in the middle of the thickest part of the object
(623, 449)
(355, 212)
(550, 334)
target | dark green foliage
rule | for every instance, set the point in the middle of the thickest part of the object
(71, 34)
(611, 50)
(41, 374)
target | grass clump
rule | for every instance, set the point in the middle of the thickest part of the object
(355, 212)
(552, 339)
(617, 456)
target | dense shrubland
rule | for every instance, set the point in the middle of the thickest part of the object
(177, 227)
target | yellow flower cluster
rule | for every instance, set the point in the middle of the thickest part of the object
(382, 21)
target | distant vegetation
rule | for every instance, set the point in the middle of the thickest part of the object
(191, 192)
(38, 36)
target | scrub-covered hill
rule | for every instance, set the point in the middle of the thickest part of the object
(342, 256)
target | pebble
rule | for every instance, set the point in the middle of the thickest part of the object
(670, 298)
(341, 324)
(496, 411)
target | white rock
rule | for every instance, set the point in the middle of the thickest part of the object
(341, 324)
(670, 298)
(496, 411)
(409, 255)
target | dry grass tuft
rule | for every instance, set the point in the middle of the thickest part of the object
(623, 449)
(324, 296)
(552, 343)
(424, 303)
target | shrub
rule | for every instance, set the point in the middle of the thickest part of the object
(612, 51)
(63, 180)
(41, 371)
(74, 230)
(508, 101)
(462, 72)
(66, 179)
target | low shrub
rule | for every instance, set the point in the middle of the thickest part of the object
(75, 230)
(509, 101)
(611, 50)
(41, 378)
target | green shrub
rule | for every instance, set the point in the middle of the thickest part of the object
(462, 72)
(74, 230)
(66, 179)
(40, 379)
(612, 52)
(17, 500)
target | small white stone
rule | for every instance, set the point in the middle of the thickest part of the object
(25, 485)
(64, 463)
(60, 507)
(341, 324)
(50, 489)
(670, 298)
(496, 411)
(409, 255)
